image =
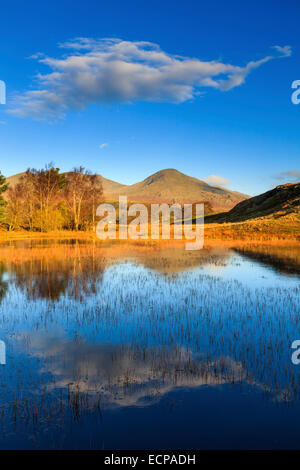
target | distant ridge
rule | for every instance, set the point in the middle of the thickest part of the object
(168, 186)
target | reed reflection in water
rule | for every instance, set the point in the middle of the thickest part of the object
(103, 339)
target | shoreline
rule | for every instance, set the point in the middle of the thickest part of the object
(211, 238)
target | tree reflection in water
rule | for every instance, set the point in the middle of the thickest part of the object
(94, 329)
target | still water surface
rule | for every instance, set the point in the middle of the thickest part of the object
(135, 347)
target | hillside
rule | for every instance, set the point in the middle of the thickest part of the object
(274, 215)
(14, 179)
(168, 186)
(173, 186)
(280, 202)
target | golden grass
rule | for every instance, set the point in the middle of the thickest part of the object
(265, 230)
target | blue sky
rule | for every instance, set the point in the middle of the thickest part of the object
(125, 108)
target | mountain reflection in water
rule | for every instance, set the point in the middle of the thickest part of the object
(95, 331)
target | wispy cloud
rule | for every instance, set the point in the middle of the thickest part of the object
(215, 180)
(113, 70)
(285, 51)
(102, 146)
(290, 175)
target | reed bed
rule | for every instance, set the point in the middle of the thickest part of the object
(89, 330)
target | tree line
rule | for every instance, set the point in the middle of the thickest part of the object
(45, 200)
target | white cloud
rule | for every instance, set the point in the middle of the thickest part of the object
(215, 180)
(290, 175)
(102, 146)
(285, 51)
(113, 70)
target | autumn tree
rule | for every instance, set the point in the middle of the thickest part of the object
(16, 207)
(34, 202)
(83, 192)
(46, 200)
(95, 197)
(47, 188)
(3, 203)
